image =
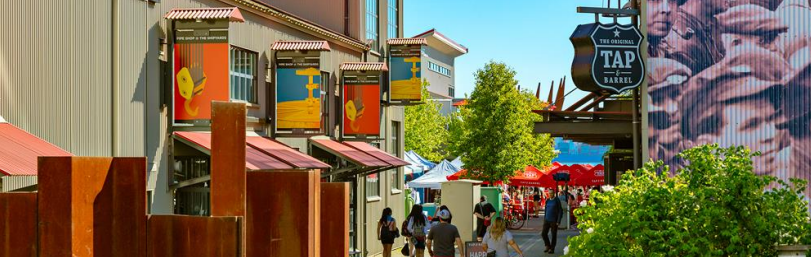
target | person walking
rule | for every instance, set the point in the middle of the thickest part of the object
(537, 199)
(552, 215)
(497, 238)
(441, 238)
(386, 231)
(435, 220)
(484, 211)
(418, 227)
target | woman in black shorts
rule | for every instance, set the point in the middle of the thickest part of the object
(386, 231)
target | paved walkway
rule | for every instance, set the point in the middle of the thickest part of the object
(528, 239)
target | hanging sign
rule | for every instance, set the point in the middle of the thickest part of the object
(406, 79)
(298, 94)
(361, 102)
(607, 57)
(200, 70)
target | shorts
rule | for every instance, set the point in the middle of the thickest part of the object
(387, 241)
(417, 243)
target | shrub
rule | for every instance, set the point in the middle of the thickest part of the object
(715, 206)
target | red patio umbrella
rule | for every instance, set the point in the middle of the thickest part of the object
(537, 178)
(459, 174)
(594, 177)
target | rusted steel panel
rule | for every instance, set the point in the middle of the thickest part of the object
(18, 224)
(193, 236)
(92, 206)
(227, 159)
(335, 221)
(284, 213)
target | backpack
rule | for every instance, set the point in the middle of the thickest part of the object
(418, 231)
(404, 228)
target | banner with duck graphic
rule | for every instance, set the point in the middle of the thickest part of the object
(361, 101)
(200, 75)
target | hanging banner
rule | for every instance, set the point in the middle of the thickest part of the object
(361, 101)
(298, 95)
(200, 71)
(406, 79)
(607, 58)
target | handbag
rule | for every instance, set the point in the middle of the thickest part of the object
(405, 251)
(491, 254)
(481, 210)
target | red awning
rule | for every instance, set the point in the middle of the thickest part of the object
(19, 151)
(462, 173)
(230, 13)
(300, 46)
(407, 41)
(366, 156)
(261, 153)
(593, 177)
(364, 66)
(377, 153)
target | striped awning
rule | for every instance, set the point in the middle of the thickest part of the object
(300, 46)
(407, 41)
(231, 13)
(364, 66)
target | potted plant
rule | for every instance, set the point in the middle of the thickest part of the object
(714, 206)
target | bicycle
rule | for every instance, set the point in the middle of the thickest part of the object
(514, 218)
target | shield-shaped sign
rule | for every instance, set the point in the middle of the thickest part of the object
(607, 57)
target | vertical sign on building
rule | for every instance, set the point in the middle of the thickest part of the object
(298, 88)
(361, 103)
(405, 74)
(200, 64)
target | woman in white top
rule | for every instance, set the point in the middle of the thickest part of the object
(418, 227)
(497, 238)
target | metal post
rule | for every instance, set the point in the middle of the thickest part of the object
(636, 114)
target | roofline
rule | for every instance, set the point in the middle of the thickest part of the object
(462, 49)
(2, 120)
(296, 22)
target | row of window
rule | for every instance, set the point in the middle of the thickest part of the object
(372, 17)
(373, 181)
(439, 69)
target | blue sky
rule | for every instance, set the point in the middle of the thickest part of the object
(531, 36)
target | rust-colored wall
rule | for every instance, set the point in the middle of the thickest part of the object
(283, 213)
(227, 159)
(18, 224)
(92, 206)
(334, 219)
(193, 236)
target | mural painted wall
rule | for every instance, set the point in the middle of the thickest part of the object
(732, 73)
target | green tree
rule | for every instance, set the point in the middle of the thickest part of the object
(715, 206)
(494, 132)
(425, 131)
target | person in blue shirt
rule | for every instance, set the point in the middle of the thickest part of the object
(552, 216)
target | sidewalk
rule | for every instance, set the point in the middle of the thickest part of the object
(528, 239)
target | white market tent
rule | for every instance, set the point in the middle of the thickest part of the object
(457, 163)
(433, 179)
(418, 164)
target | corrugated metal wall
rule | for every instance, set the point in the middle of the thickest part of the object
(55, 61)
(327, 13)
(743, 80)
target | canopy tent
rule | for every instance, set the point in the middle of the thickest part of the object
(434, 177)
(593, 177)
(461, 174)
(458, 163)
(417, 162)
(534, 177)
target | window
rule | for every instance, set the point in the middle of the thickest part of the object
(396, 179)
(192, 199)
(243, 75)
(439, 69)
(325, 108)
(371, 23)
(450, 92)
(393, 19)
(373, 183)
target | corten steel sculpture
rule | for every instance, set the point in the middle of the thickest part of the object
(192, 236)
(334, 225)
(18, 224)
(228, 161)
(91, 206)
(284, 213)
